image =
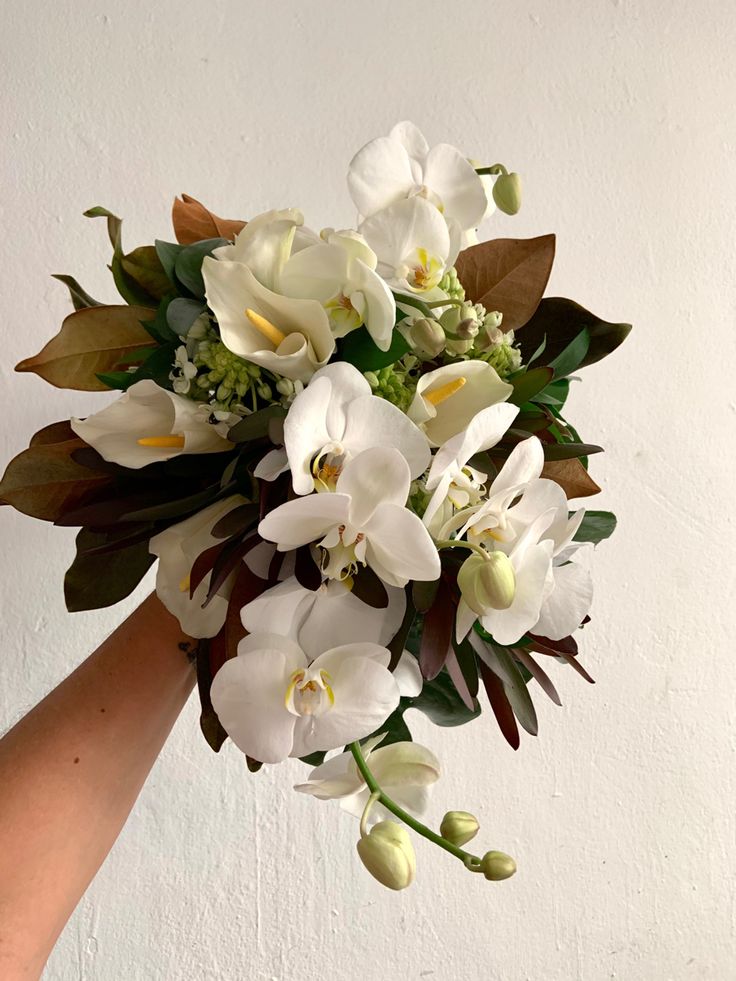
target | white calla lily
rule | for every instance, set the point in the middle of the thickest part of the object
(177, 548)
(405, 771)
(448, 398)
(274, 703)
(341, 274)
(413, 245)
(265, 244)
(364, 522)
(452, 482)
(335, 418)
(149, 424)
(402, 165)
(290, 337)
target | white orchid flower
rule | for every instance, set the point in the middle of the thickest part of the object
(405, 771)
(530, 560)
(413, 245)
(568, 603)
(364, 522)
(453, 483)
(448, 398)
(148, 424)
(307, 616)
(402, 165)
(274, 703)
(288, 336)
(335, 418)
(177, 548)
(340, 273)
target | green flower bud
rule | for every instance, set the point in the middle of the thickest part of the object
(467, 329)
(487, 583)
(459, 827)
(507, 193)
(451, 285)
(372, 378)
(497, 866)
(265, 392)
(427, 337)
(285, 386)
(388, 854)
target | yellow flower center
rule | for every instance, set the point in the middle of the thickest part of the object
(425, 271)
(270, 331)
(309, 694)
(439, 395)
(163, 442)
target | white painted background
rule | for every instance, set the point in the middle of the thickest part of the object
(621, 814)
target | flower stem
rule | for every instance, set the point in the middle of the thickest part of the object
(455, 543)
(471, 862)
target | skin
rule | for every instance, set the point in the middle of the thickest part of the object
(70, 772)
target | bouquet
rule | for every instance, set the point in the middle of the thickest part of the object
(349, 453)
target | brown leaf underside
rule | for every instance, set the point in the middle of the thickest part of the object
(194, 223)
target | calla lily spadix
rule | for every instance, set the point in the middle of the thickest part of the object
(335, 418)
(364, 522)
(177, 548)
(149, 424)
(402, 165)
(289, 337)
(413, 246)
(452, 482)
(405, 771)
(448, 398)
(274, 702)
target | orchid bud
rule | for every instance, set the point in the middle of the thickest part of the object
(427, 337)
(285, 386)
(487, 582)
(459, 827)
(467, 329)
(507, 193)
(388, 854)
(497, 866)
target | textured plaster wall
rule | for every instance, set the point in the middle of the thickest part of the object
(621, 814)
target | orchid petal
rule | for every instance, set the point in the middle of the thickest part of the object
(400, 547)
(568, 604)
(374, 478)
(379, 173)
(373, 422)
(304, 520)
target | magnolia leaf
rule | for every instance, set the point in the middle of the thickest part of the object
(572, 477)
(57, 432)
(144, 267)
(193, 222)
(596, 527)
(569, 359)
(569, 451)
(127, 286)
(45, 482)
(394, 729)
(94, 580)
(90, 341)
(508, 275)
(529, 383)
(79, 297)
(560, 321)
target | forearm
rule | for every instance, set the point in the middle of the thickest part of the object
(70, 772)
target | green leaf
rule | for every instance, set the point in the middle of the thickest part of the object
(99, 580)
(80, 297)
(181, 313)
(504, 666)
(127, 286)
(596, 526)
(157, 367)
(441, 703)
(569, 359)
(560, 320)
(569, 451)
(358, 349)
(143, 267)
(158, 326)
(188, 268)
(529, 383)
(168, 253)
(554, 394)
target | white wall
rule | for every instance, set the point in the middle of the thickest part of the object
(620, 117)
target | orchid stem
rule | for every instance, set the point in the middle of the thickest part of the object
(454, 543)
(431, 304)
(471, 862)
